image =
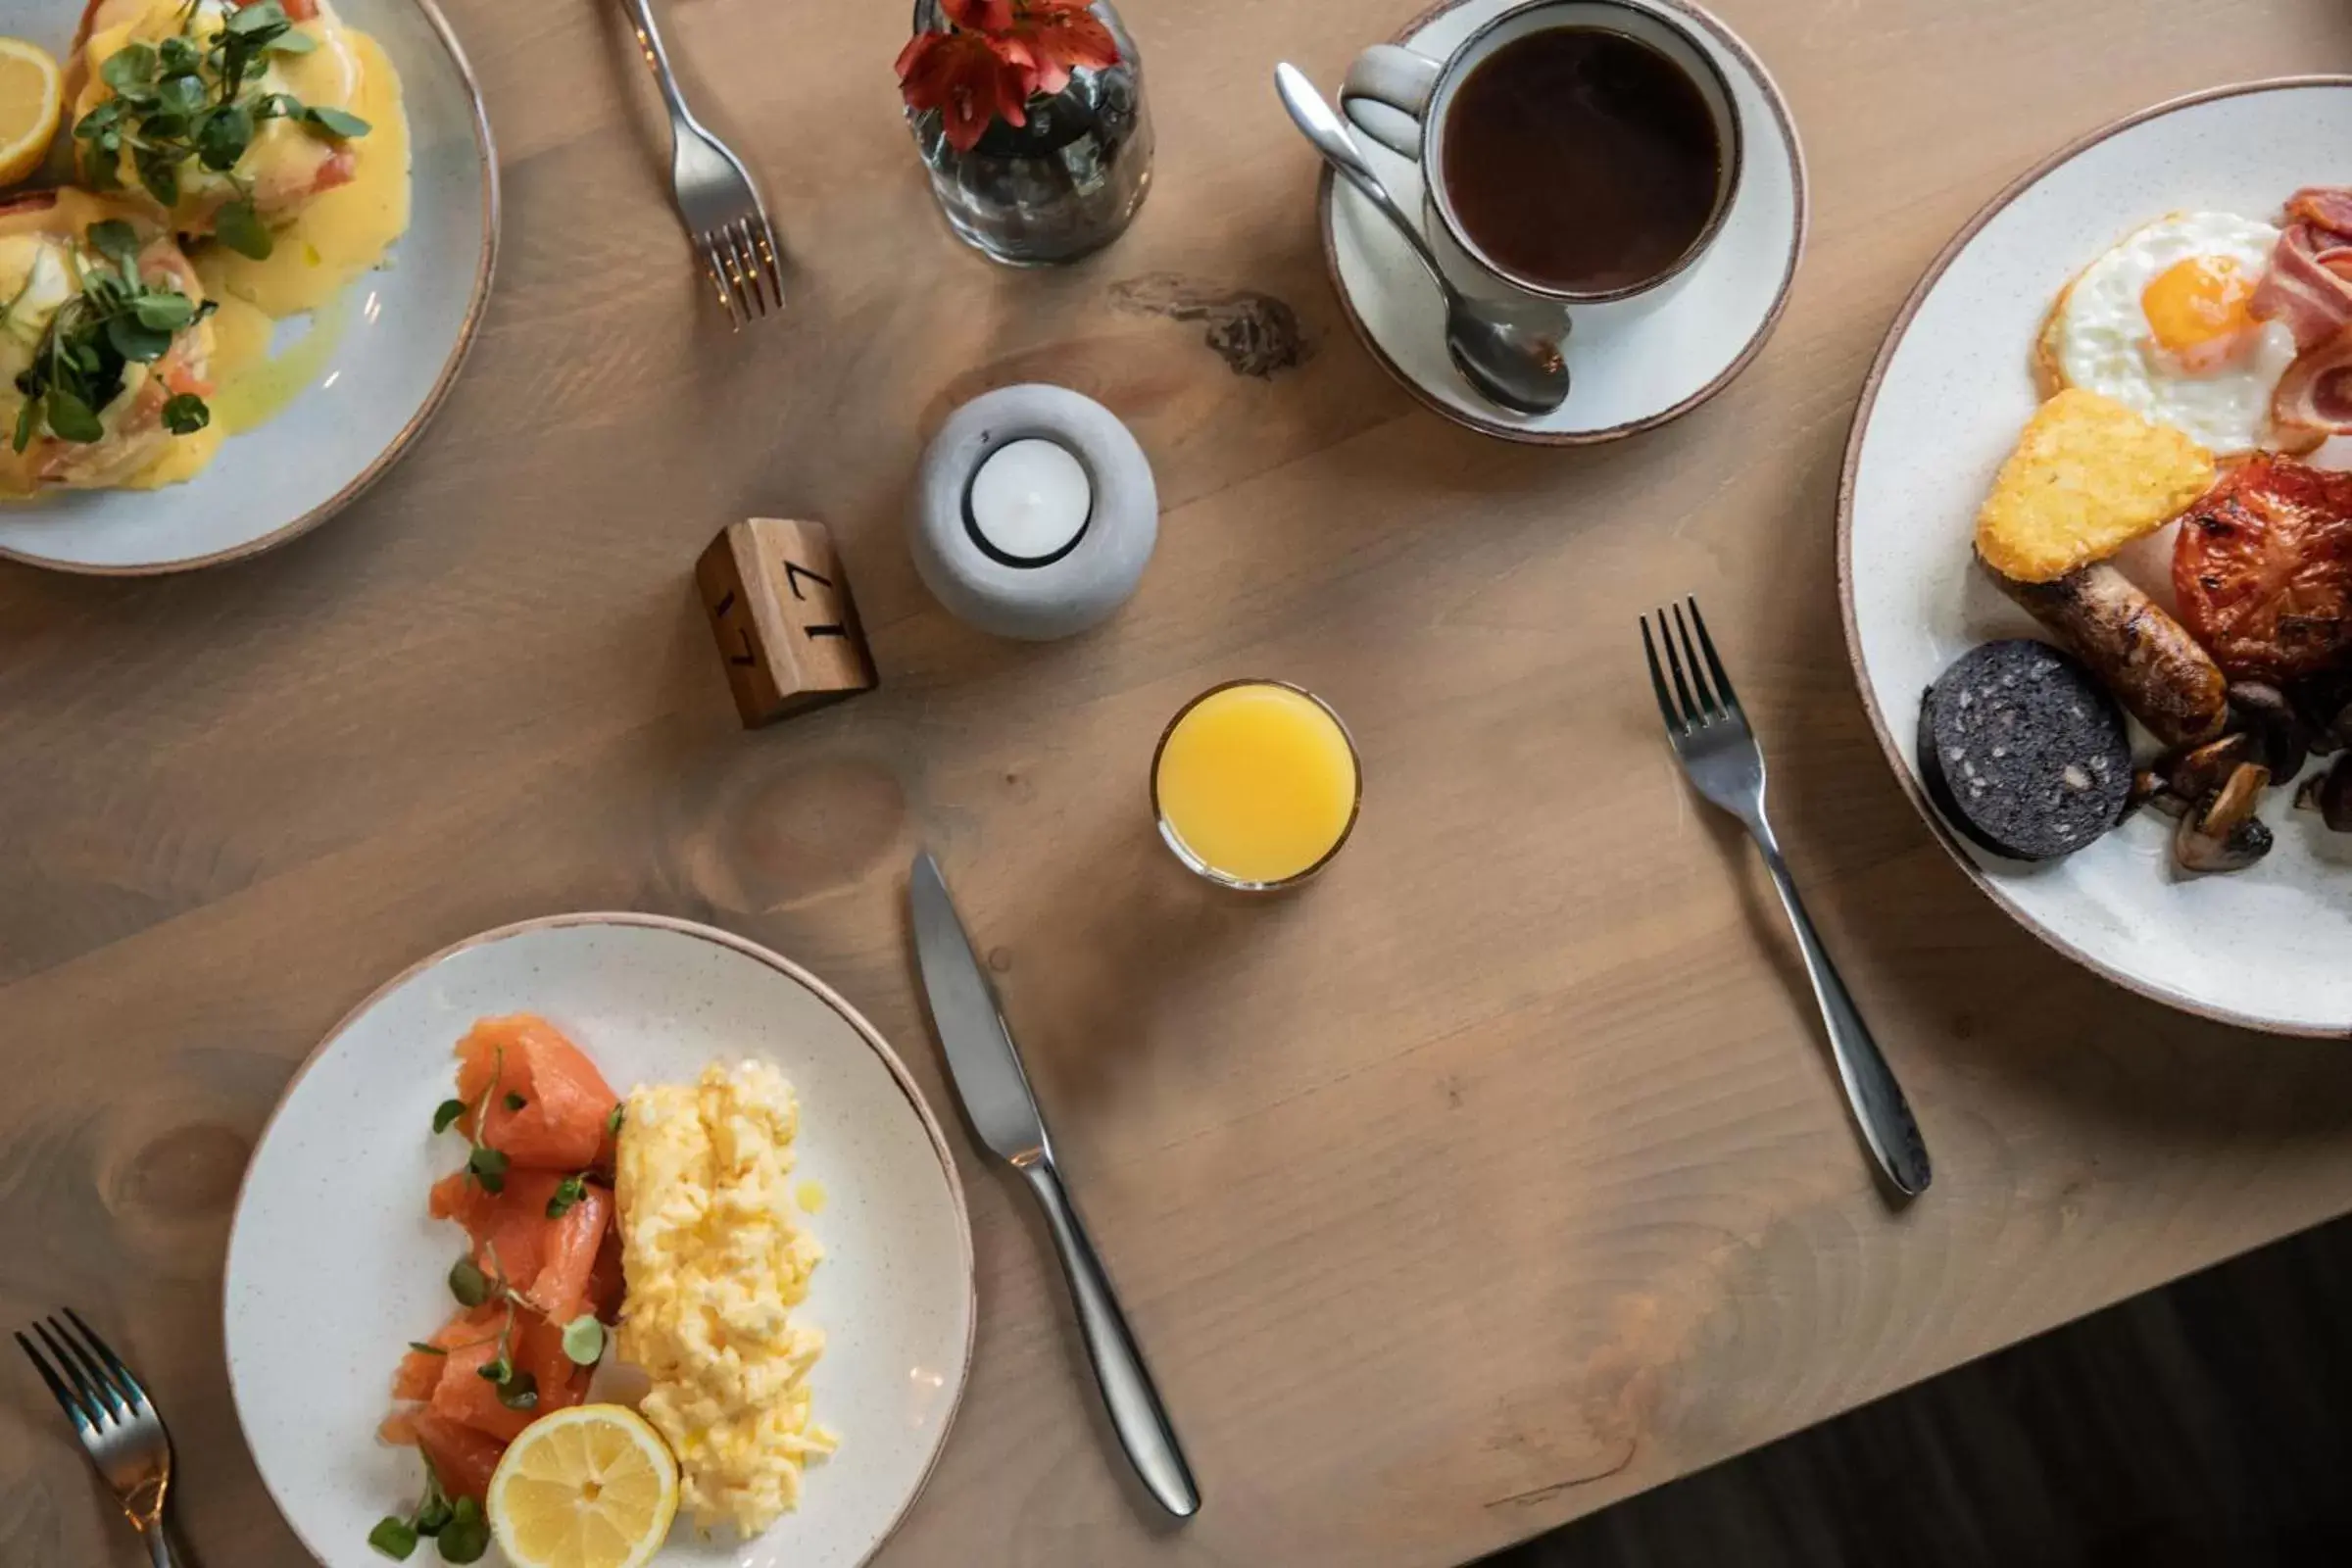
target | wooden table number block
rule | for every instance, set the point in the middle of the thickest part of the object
(785, 623)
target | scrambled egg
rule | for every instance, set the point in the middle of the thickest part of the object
(715, 1262)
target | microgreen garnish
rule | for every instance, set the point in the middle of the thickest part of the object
(515, 1101)
(517, 1391)
(484, 1165)
(394, 1537)
(467, 1535)
(584, 1340)
(570, 1191)
(467, 1283)
(422, 1348)
(613, 1121)
(83, 357)
(488, 1167)
(200, 99)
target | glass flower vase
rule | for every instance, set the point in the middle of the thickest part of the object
(1062, 186)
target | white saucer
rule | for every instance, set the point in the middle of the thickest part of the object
(1632, 364)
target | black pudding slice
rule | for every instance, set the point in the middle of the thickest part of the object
(2022, 751)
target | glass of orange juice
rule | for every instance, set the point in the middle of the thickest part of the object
(1256, 784)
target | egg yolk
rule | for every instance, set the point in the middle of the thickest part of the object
(2199, 302)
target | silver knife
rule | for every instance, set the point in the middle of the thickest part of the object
(997, 1099)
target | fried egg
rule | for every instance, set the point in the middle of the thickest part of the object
(2162, 324)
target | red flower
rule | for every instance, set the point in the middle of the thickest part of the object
(962, 76)
(1054, 37)
(995, 56)
(979, 15)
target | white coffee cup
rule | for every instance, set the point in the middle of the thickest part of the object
(1401, 98)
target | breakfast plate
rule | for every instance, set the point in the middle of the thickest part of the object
(362, 373)
(333, 1262)
(1951, 388)
(1633, 364)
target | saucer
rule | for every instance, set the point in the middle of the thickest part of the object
(1633, 364)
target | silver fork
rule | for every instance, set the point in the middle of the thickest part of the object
(1710, 736)
(721, 205)
(115, 1420)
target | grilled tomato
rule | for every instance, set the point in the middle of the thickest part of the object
(2263, 569)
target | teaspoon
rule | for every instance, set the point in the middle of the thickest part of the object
(1509, 352)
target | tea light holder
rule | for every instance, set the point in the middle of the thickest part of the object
(1035, 512)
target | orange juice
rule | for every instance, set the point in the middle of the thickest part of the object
(1256, 784)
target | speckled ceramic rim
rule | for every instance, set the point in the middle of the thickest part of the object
(1185, 853)
(750, 950)
(1888, 742)
(1701, 20)
(487, 158)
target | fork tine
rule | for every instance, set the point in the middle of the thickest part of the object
(1708, 706)
(95, 1395)
(125, 1384)
(1723, 682)
(1657, 683)
(754, 276)
(83, 1419)
(745, 298)
(740, 268)
(763, 234)
(1693, 715)
(717, 272)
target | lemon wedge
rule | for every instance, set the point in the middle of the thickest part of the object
(30, 95)
(592, 1487)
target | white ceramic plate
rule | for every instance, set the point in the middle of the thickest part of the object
(333, 1262)
(1944, 402)
(1632, 364)
(408, 327)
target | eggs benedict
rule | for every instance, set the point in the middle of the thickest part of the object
(226, 118)
(105, 343)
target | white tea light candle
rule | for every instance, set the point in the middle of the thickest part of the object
(1034, 512)
(1030, 500)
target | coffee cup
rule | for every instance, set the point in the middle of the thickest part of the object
(1582, 151)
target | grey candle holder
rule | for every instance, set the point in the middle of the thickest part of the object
(1081, 585)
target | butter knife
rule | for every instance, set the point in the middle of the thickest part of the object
(1003, 1111)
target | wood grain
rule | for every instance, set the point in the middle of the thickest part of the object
(1499, 1175)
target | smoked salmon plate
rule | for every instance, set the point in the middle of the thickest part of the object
(662, 1225)
(598, 1241)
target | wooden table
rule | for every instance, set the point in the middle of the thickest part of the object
(1499, 1176)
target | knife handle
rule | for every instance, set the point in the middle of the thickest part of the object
(1141, 1420)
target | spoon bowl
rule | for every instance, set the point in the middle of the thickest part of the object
(1509, 351)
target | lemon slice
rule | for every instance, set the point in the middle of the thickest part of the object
(592, 1487)
(29, 98)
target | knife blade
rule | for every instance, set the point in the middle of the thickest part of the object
(986, 1069)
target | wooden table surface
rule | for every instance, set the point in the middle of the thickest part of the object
(1498, 1176)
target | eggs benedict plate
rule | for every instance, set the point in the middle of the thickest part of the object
(315, 178)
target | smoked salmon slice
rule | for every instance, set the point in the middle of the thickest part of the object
(549, 1260)
(563, 1119)
(462, 1458)
(419, 1371)
(469, 1399)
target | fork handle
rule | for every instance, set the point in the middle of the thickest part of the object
(657, 58)
(158, 1541)
(1879, 1110)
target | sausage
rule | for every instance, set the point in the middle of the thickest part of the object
(2143, 656)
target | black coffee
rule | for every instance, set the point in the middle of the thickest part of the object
(1580, 159)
